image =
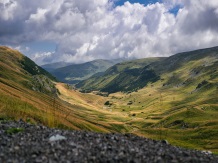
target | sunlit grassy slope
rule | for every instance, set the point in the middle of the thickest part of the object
(19, 100)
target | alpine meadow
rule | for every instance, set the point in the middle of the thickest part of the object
(177, 103)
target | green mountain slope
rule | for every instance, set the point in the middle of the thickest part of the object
(194, 69)
(125, 76)
(22, 70)
(189, 68)
(74, 73)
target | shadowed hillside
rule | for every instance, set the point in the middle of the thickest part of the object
(125, 76)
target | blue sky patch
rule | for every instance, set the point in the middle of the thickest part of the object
(39, 47)
(145, 2)
(175, 10)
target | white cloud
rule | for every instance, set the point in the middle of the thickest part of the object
(8, 9)
(39, 16)
(42, 57)
(22, 49)
(86, 30)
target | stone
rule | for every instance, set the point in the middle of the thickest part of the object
(57, 138)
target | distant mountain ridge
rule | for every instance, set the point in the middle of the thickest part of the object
(52, 66)
(77, 72)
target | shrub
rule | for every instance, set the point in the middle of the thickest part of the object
(107, 103)
(14, 130)
(129, 103)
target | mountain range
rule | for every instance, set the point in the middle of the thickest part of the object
(74, 73)
(123, 76)
(52, 66)
(173, 98)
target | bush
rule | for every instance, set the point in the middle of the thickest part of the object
(107, 103)
(14, 130)
(129, 103)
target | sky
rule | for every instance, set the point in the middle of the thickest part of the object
(144, 2)
(80, 31)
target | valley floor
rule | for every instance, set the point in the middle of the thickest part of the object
(151, 113)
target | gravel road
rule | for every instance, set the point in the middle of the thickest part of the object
(41, 144)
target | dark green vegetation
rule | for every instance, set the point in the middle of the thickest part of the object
(76, 72)
(30, 67)
(14, 130)
(125, 76)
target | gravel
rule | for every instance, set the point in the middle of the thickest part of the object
(21, 142)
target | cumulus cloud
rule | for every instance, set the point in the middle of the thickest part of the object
(87, 30)
(43, 57)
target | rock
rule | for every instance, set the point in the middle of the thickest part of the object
(207, 152)
(57, 137)
(165, 142)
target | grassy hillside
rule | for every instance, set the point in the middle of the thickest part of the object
(27, 93)
(76, 72)
(16, 63)
(24, 93)
(125, 76)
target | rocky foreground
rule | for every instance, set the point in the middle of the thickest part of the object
(21, 142)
